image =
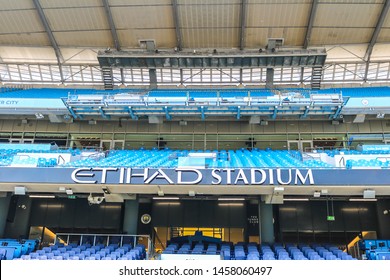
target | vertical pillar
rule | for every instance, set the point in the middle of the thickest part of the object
(266, 223)
(383, 213)
(269, 80)
(152, 79)
(130, 217)
(4, 206)
(18, 219)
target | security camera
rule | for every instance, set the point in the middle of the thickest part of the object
(95, 199)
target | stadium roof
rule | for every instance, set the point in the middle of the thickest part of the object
(56, 41)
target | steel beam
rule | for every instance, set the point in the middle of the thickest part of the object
(243, 13)
(179, 43)
(53, 42)
(110, 19)
(309, 29)
(377, 29)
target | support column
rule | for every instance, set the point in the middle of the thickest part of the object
(152, 79)
(130, 218)
(269, 82)
(383, 212)
(18, 218)
(266, 223)
(4, 206)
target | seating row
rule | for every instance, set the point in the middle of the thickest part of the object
(88, 252)
(375, 249)
(12, 248)
(253, 251)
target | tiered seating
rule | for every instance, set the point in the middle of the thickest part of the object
(253, 251)
(376, 249)
(12, 248)
(88, 252)
(169, 159)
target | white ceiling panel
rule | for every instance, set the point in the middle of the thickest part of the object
(76, 19)
(20, 21)
(386, 22)
(16, 5)
(380, 52)
(27, 39)
(279, 2)
(257, 37)
(365, 2)
(208, 2)
(347, 15)
(211, 38)
(278, 15)
(164, 38)
(384, 36)
(327, 36)
(80, 56)
(140, 17)
(101, 39)
(28, 55)
(209, 16)
(350, 53)
(139, 2)
(70, 3)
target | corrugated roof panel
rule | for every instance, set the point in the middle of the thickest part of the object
(90, 38)
(76, 19)
(143, 17)
(44, 55)
(329, 36)
(164, 38)
(257, 37)
(20, 21)
(366, 2)
(279, 1)
(16, 5)
(211, 38)
(384, 36)
(209, 16)
(208, 2)
(386, 22)
(278, 15)
(74, 56)
(70, 3)
(27, 39)
(139, 2)
(347, 15)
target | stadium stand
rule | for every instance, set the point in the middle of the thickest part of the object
(210, 139)
(375, 249)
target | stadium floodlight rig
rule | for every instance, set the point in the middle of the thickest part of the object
(212, 59)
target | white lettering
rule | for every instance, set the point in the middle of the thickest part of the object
(302, 179)
(130, 174)
(216, 176)
(76, 174)
(159, 174)
(228, 175)
(279, 177)
(253, 176)
(271, 176)
(121, 175)
(180, 180)
(241, 177)
(104, 173)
